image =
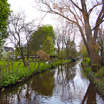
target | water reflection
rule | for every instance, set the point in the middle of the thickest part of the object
(90, 95)
(44, 83)
(70, 86)
(63, 85)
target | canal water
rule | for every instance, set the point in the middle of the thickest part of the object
(65, 84)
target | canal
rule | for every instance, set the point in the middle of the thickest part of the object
(66, 84)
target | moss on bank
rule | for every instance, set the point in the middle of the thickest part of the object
(96, 77)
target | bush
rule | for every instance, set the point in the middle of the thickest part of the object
(10, 79)
(88, 69)
(43, 55)
(87, 60)
(100, 73)
(62, 55)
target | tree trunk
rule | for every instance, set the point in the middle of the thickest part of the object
(67, 52)
(93, 54)
(58, 50)
(91, 47)
(28, 52)
(22, 56)
(23, 60)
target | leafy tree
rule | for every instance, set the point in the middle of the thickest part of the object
(4, 13)
(48, 45)
(43, 39)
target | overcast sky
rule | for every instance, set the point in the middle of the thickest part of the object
(30, 8)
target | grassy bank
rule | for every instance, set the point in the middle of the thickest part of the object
(15, 72)
(96, 77)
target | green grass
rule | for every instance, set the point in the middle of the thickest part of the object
(13, 77)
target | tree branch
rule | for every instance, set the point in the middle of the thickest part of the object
(89, 12)
(99, 20)
(76, 5)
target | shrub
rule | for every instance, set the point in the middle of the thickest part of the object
(62, 55)
(87, 60)
(43, 55)
(100, 72)
(10, 79)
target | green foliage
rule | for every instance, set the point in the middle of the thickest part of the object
(15, 76)
(83, 52)
(88, 70)
(62, 55)
(10, 79)
(86, 63)
(43, 39)
(43, 66)
(48, 45)
(87, 60)
(100, 73)
(4, 13)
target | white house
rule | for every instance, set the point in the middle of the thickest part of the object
(6, 50)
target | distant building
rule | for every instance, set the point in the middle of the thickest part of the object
(6, 50)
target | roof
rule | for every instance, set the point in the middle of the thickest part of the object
(9, 49)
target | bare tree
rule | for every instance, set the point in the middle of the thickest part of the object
(58, 40)
(65, 35)
(81, 12)
(29, 30)
(100, 41)
(19, 31)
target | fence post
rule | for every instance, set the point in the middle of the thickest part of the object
(18, 67)
(27, 69)
(0, 73)
(34, 66)
(8, 68)
(12, 66)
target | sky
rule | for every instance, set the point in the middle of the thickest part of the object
(30, 9)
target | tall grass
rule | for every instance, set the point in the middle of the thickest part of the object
(13, 72)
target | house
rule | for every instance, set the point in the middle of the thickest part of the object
(5, 51)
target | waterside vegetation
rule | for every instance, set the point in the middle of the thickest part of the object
(96, 77)
(15, 72)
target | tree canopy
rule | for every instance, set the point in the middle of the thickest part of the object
(4, 13)
(43, 39)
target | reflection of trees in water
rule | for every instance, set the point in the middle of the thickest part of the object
(59, 82)
(90, 95)
(66, 87)
(44, 83)
(63, 79)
